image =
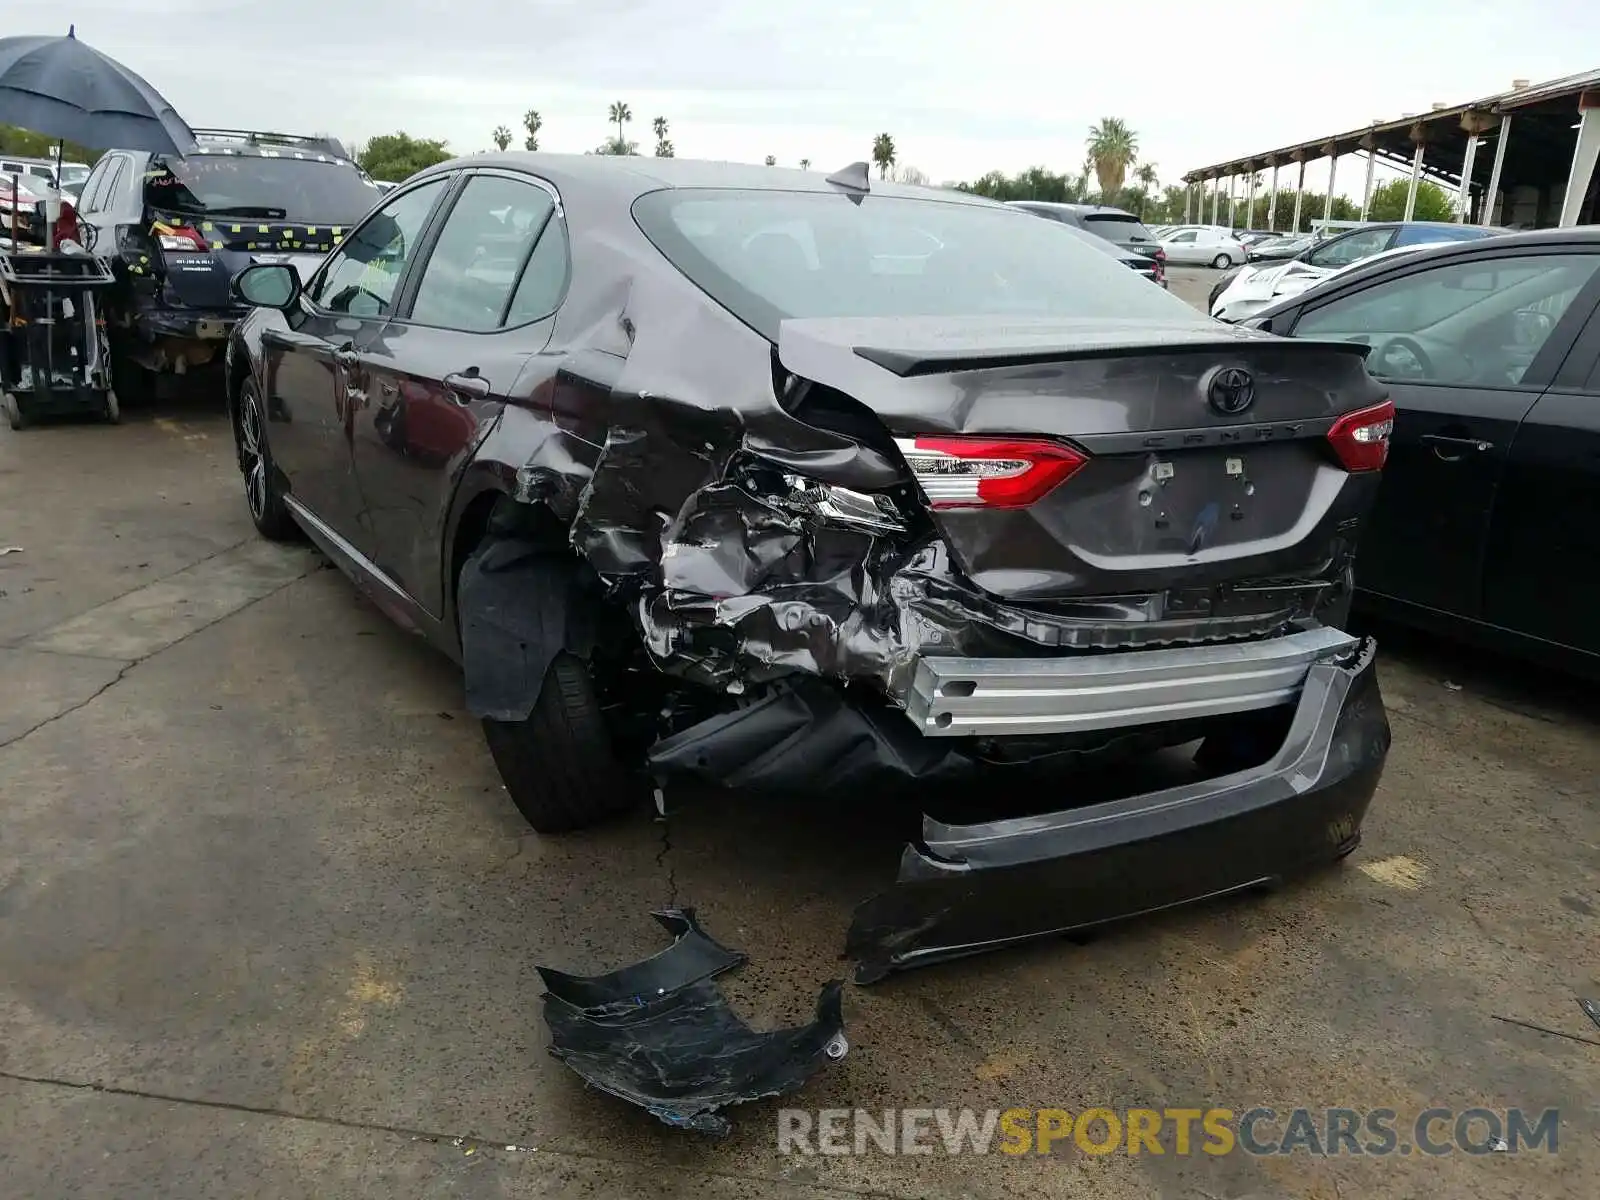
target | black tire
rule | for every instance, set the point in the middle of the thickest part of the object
(263, 492)
(559, 765)
(1222, 262)
(112, 413)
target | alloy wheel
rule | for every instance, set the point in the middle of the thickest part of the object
(254, 456)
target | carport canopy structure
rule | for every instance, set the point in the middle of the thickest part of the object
(1543, 137)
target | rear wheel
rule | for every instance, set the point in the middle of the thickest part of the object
(559, 764)
(262, 491)
(1222, 262)
(112, 412)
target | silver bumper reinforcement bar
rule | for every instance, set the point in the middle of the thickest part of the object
(963, 697)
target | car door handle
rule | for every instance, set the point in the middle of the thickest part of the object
(1457, 443)
(465, 387)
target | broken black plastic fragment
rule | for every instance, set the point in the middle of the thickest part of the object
(659, 1033)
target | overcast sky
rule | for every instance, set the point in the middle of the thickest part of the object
(964, 86)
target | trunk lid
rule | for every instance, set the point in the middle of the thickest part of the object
(1184, 481)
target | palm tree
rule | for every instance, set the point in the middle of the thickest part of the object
(1147, 177)
(532, 122)
(502, 137)
(883, 154)
(805, 164)
(620, 112)
(663, 146)
(1113, 148)
(772, 160)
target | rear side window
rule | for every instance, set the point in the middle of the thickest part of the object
(479, 255)
(768, 255)
(117, 179)
(1117, 227)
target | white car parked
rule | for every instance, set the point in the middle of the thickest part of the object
(1208, 245)
(1254, 290)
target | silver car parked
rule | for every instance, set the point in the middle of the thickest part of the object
(1205, 245)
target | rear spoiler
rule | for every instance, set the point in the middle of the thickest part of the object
(910, 363)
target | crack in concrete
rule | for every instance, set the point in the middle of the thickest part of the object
(143, 658)
(471, 1141)
(72, 708)
(20, 641)
(664, 859)
(1560, 1033)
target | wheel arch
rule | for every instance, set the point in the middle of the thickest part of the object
(484, 504)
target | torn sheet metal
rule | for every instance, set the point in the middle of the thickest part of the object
(807, 736)
(519, 607)
(659, 1033)
(970, 888)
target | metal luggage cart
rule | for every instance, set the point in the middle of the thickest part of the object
(54, 359)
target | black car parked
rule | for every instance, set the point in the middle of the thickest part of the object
(1363, 242)
(772, 481)
(1488, 519)
(181, 228)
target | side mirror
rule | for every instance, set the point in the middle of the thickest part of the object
(268, 285)
(1531, 327)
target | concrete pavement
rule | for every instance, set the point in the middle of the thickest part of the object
(268, 923)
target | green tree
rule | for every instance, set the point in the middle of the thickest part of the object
(397, 156)
(620, 115)
(1146, 175)
(1036, 183)
(502, 137)
(532, 122)
(1113, 148)
(24, 143)
(663, 143)
(883, 154)
(1389, 202)
(805, 164)
(772, 160)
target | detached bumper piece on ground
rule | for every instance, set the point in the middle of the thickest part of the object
(659, 1034)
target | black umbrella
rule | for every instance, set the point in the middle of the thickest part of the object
(64, 89)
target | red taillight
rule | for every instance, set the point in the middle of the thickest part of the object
(178, 237)
(973, 472)
(1361, 438)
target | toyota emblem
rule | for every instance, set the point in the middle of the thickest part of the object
(1231, 391)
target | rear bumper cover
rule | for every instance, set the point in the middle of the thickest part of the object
(970, 888)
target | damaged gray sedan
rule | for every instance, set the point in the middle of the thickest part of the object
(779, 482)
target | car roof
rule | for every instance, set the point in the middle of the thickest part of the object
(1083, 210)
(630, 176)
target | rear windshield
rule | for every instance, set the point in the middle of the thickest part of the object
(767, 256)
(1119, 227)
(243, 185)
